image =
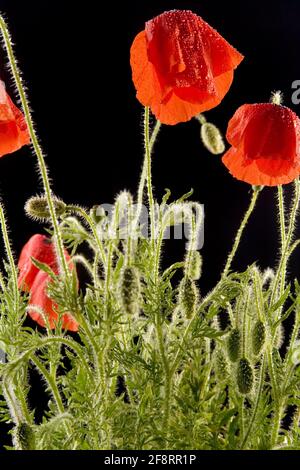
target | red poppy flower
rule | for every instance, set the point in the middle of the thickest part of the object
(13, 128)
(265, 141)
(42, 249)
(36, 282)
(39, 297)
(181, 66)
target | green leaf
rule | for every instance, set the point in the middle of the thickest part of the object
(43, 267)
(281, 301)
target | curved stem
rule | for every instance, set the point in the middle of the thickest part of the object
(240, 232)
(51, 383)
(36, 146)
(82, 213)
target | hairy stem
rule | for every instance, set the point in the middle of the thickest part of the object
(239, 234)
(36, 146)
(149, 175)
(257, 402)
(144, 170)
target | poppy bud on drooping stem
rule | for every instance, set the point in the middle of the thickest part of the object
(212, 138)
(37, 207)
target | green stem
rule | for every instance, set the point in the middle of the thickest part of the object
(257, 402)
(149, 177)
(279, 281)
(168, 376)
(36, 146)
(272, 374)
(9, 257)
(239, 234)
(276, 425)
(51, 383)
(144, 170)
(281, 215)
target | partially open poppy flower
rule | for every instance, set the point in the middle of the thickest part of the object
(39, 297)
(42, 249)
(13, 128)
(36, 282)
(265, 141)
(181, 66)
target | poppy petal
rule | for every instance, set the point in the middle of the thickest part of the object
(271, 132)
(13, 128)
(222, 56)
(143, 73)
(262, 171)
(42, 249)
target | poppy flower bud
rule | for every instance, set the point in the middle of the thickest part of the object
(130, 290)
(258, 337)
(37, 207)
(193, 265)
(24, 436)
(212, 138)
(188, 296)
(234, 345)
(221, 366)
(244, 376)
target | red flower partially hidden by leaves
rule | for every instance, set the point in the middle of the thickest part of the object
(40, 298)
(13, 128)
(265, 141)
(36, 282)
(181, 66)
(42, 249)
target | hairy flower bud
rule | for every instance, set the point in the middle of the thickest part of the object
(193, 265)
(234, 345)
(212, 138)
(188, 296)
(130, 290)
(221, 366)
(258, 337)
(24, 436)
(37, 207)
(244, 376)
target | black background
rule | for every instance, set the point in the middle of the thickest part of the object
(75, 62)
